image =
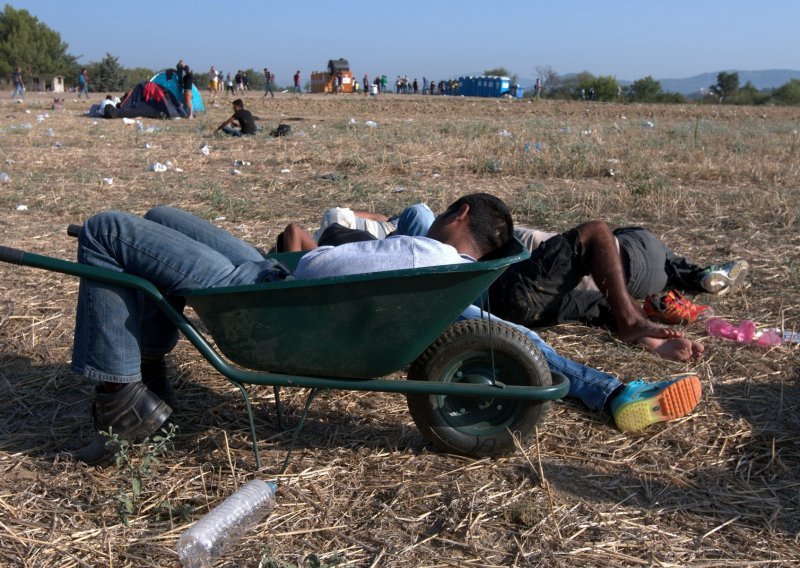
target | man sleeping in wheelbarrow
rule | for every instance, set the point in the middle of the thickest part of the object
(121, 339)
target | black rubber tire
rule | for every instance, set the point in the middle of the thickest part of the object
(478, 427)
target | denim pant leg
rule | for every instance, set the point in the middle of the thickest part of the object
(682, 273)
(234, 249)
(592, 387)
(415, 221)
(161, 336)
(110, 319)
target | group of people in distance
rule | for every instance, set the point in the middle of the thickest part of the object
(121, 340)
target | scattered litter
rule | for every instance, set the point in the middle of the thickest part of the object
(179, 170)
(94, 123)
(648, 124)
(286, 171)
(147, 145)
(353, 120)
(398, 189)
(129, 121)
(434, 176)
(50, 132)
(205, 150)
(281, 130)
(236, 172)
(22, 207)
(587, 132)
(108, 181)
(4, 178)
(788, 336)
(566, 129)
(27, 111)
(239, 163)
(9, 161)
(745, 332)
(504, 133)
(536, 147)
(157, 167)
(219, 219)
(333, 177)
(371, 123)
(57, 144)
(151, 129)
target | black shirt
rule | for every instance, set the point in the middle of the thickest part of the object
(245, 120)
(187, 81)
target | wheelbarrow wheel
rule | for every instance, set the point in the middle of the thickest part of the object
(472, 426)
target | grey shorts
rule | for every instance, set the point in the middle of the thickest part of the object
(644, 257)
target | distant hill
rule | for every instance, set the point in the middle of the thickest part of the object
(767, 79)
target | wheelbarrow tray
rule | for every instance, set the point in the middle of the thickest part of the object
(361, 326)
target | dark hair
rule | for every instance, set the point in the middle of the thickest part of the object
(238, 102)
(490, 221)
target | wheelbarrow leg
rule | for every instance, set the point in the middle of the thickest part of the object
(309, 399)
(246, 398)
(278, 410)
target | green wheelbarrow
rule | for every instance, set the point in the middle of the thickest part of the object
(472, 386)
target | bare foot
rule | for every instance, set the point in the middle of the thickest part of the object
(674, 348)
(643, 328)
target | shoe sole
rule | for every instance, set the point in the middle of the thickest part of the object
(675, 401)
(722, 284)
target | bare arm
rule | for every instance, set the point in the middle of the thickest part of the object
(372, 216)
(296, 238)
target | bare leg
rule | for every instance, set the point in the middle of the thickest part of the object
(601, 256)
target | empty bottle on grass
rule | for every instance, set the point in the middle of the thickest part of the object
(223, 526)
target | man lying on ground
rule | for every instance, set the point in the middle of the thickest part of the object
(121, 338)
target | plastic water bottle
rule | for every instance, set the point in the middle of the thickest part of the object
(4, 179)
(218, 530)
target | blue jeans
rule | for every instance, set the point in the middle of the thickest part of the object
(19, 91)
(414, 221)
(592, 387)
(116, 326)
(232, 131)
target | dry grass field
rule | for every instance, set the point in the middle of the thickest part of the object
(720, 487)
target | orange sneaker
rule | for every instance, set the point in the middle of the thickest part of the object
(674, 308)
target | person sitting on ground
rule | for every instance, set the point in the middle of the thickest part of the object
(108, 108)
(121, 338)
(244, 118)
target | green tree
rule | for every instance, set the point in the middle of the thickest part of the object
(502, 72)
(645, 90)
(107, 75)
(750, 95)
(788, 93)
(137, 75)
(727, 85)
(30, 44)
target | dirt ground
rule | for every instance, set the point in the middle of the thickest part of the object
(717, 488)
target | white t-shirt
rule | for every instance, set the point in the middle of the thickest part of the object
(393, 253)
(346, 217)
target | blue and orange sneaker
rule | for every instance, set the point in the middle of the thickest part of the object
(641, 404)
(674, 308)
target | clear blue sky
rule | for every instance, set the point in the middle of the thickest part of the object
(628, 39)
